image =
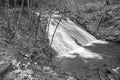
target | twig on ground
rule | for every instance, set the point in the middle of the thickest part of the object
(113, 73)
(100, 20)
(99, 75)
(105, 13)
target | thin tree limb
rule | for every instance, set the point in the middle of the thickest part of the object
(37, 26)
(8, 15)
(49, 22)
(20, 14)
(28, 2)
(56, 30)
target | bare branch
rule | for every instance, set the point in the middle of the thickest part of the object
(20, 14)
(8, 15)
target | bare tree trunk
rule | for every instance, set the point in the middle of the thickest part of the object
(8, 15)
(15, 3)
(37, 27)
(28, 2)
(20, 14)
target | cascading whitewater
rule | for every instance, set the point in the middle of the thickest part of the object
(75, 32)
(69, 38)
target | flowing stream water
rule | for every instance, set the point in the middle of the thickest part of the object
(76, 48)
(70, 38)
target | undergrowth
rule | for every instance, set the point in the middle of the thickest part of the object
(25, 53)
(24, 43)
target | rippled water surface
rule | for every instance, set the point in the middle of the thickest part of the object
(79, 52)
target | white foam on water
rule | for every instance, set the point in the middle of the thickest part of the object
(64, 41)
(97, 42)
(81, 52)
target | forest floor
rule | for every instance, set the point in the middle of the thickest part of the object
(25, 56)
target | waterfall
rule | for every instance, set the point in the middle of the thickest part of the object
(70, 38)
